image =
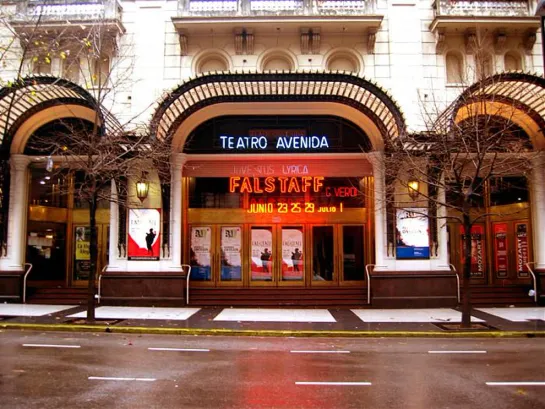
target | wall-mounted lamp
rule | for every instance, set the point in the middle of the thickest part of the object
(142, 187)
(413, 187)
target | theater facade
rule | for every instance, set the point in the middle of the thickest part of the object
(278, 192)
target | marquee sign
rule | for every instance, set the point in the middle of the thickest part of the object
(280, 143)
(309, 194)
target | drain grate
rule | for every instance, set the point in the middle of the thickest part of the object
(456, 326)
(97, 321)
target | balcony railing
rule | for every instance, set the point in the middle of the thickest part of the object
(487, 8)
(49, 10)
(248, 8)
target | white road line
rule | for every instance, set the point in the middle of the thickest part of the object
(51, 346)
(515, 383)
(318, 352)
(335, 383)
(456, 352)
(106, 378)
(180, 349)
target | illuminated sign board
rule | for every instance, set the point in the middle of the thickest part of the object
(273, 184)
(264, 194)
(280, 143)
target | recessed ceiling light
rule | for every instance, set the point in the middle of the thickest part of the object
(42, 182)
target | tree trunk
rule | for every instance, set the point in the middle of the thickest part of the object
(93, 259)
(466, 289)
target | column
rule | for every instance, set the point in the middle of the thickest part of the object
(18, 206)
(377, 160)
(442, 234)
(538, 210)
(176, 166)
(114, 228)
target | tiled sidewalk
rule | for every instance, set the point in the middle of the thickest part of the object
(277, 319)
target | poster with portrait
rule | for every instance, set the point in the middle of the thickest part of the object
(144, 234)
(231, 249)
(412, 234)
(199, 253)
(477, 250)
(262, 254)
(292, 254)
(82, 253)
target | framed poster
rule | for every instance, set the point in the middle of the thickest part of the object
(501, 250)
(82, 253)
(292, 254)
(521, 231)
(262, 255)
(144, 234)
(477, 250)
(200, 253)
(412, 234)
(231, 251)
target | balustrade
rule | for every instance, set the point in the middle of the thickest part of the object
(489, 8)
(70, 9)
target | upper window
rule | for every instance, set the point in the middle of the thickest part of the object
(454, 66)
(512, 61)
(41, 64)
(342, 62)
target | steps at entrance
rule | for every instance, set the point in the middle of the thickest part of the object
(261, 297)
(501, 296)
(62, 296)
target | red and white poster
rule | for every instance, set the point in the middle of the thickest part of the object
(262, 257)
(292, 254)
(477, 250)
(144, 234)
(522, 249)
(501, 250)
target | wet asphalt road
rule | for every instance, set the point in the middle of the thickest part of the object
(121, 371)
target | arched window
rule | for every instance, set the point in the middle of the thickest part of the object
(455, 67)
(278, 63)
(512, 61)
(212, 63)
(342, 62)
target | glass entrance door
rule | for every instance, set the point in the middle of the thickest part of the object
(338, 254)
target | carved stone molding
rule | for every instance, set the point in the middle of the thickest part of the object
(471, 42)
(440, 42)
(183, 44)
(529, 40)
(310, 41)
(371, 40)
(244, 41)
(500, 41)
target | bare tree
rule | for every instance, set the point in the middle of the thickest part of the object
(99, 149)
(445, 169)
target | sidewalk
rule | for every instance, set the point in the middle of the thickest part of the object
(437, 322)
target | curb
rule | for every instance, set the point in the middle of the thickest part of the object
(270, 333)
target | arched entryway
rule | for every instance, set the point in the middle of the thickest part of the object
(41, 219)
(276, 188)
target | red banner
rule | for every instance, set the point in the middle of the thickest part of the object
(501, 250)
(522, 249)
(477, 250)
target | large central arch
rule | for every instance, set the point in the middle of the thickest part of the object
(317, 93)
